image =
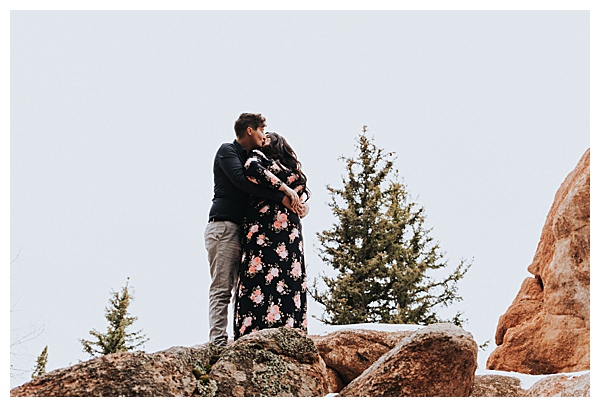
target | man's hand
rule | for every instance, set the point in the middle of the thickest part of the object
(301, 209)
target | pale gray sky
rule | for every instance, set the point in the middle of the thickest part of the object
(116, 116)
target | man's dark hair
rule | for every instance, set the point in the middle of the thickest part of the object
(254, 120)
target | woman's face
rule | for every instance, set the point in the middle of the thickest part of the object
(267, 140)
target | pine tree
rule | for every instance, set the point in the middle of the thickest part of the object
(40, 364)
(116, 339)
(381, 250)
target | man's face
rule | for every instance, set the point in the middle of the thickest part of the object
(257, 137)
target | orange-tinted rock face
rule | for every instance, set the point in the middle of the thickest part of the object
(350, 352)
(438, 360)
(547, 327)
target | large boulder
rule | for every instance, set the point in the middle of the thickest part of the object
(561, 386)
(349, 352)
(271, 362)
(161, 374)
(437, 360)
(546, 329)
(491, 385)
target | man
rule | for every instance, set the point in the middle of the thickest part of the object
(223, 233)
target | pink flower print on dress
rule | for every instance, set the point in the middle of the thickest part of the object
(245, 324)
(296, 270)
(297, 301)
(281, 287)
(294, 235)
(281, 221)
(264, 209)
(261, 240)
(274, 315)
(255, 265)
(275, 167)
(305, 323)
(273, 272)
(292, 178)
(282, 251)
(257, 296)
(301, 247)
(250, 161)
(253, 180)
(253, 230)
(290, 323)
(274, 180)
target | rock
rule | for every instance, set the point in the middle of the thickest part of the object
(523, 310)
(271, 362)
(350, 352)
(437, 360)
(334, 382)
(161, 374)
(561, 386)
(547, 327)
(497, 386)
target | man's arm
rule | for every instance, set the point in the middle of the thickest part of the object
(234, 170)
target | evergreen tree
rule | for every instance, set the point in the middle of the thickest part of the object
(40, 364)
(381, 250)
(116, 339)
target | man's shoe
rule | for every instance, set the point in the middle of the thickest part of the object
(219, 344)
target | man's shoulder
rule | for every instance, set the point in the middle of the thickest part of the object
(227, 149)
(227, 146)
(229, 155)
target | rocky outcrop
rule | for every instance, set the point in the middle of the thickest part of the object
(547, 327)
(271, 362)
(497, 386)
(350, 352)
(161, 374)
(437, 360)
(561, 386)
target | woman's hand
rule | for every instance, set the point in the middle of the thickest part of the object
(294, 198)
(304, 209)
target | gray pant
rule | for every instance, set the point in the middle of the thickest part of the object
(223, 244)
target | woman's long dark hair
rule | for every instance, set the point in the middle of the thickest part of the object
(279, 150)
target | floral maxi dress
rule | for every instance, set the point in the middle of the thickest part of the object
(271, 290)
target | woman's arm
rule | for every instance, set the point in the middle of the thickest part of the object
(257, 173)
(233, 167)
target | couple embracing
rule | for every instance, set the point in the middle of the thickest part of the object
(254, 235)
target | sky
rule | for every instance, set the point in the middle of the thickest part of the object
(115, 117)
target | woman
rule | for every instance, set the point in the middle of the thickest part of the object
(272, 280)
